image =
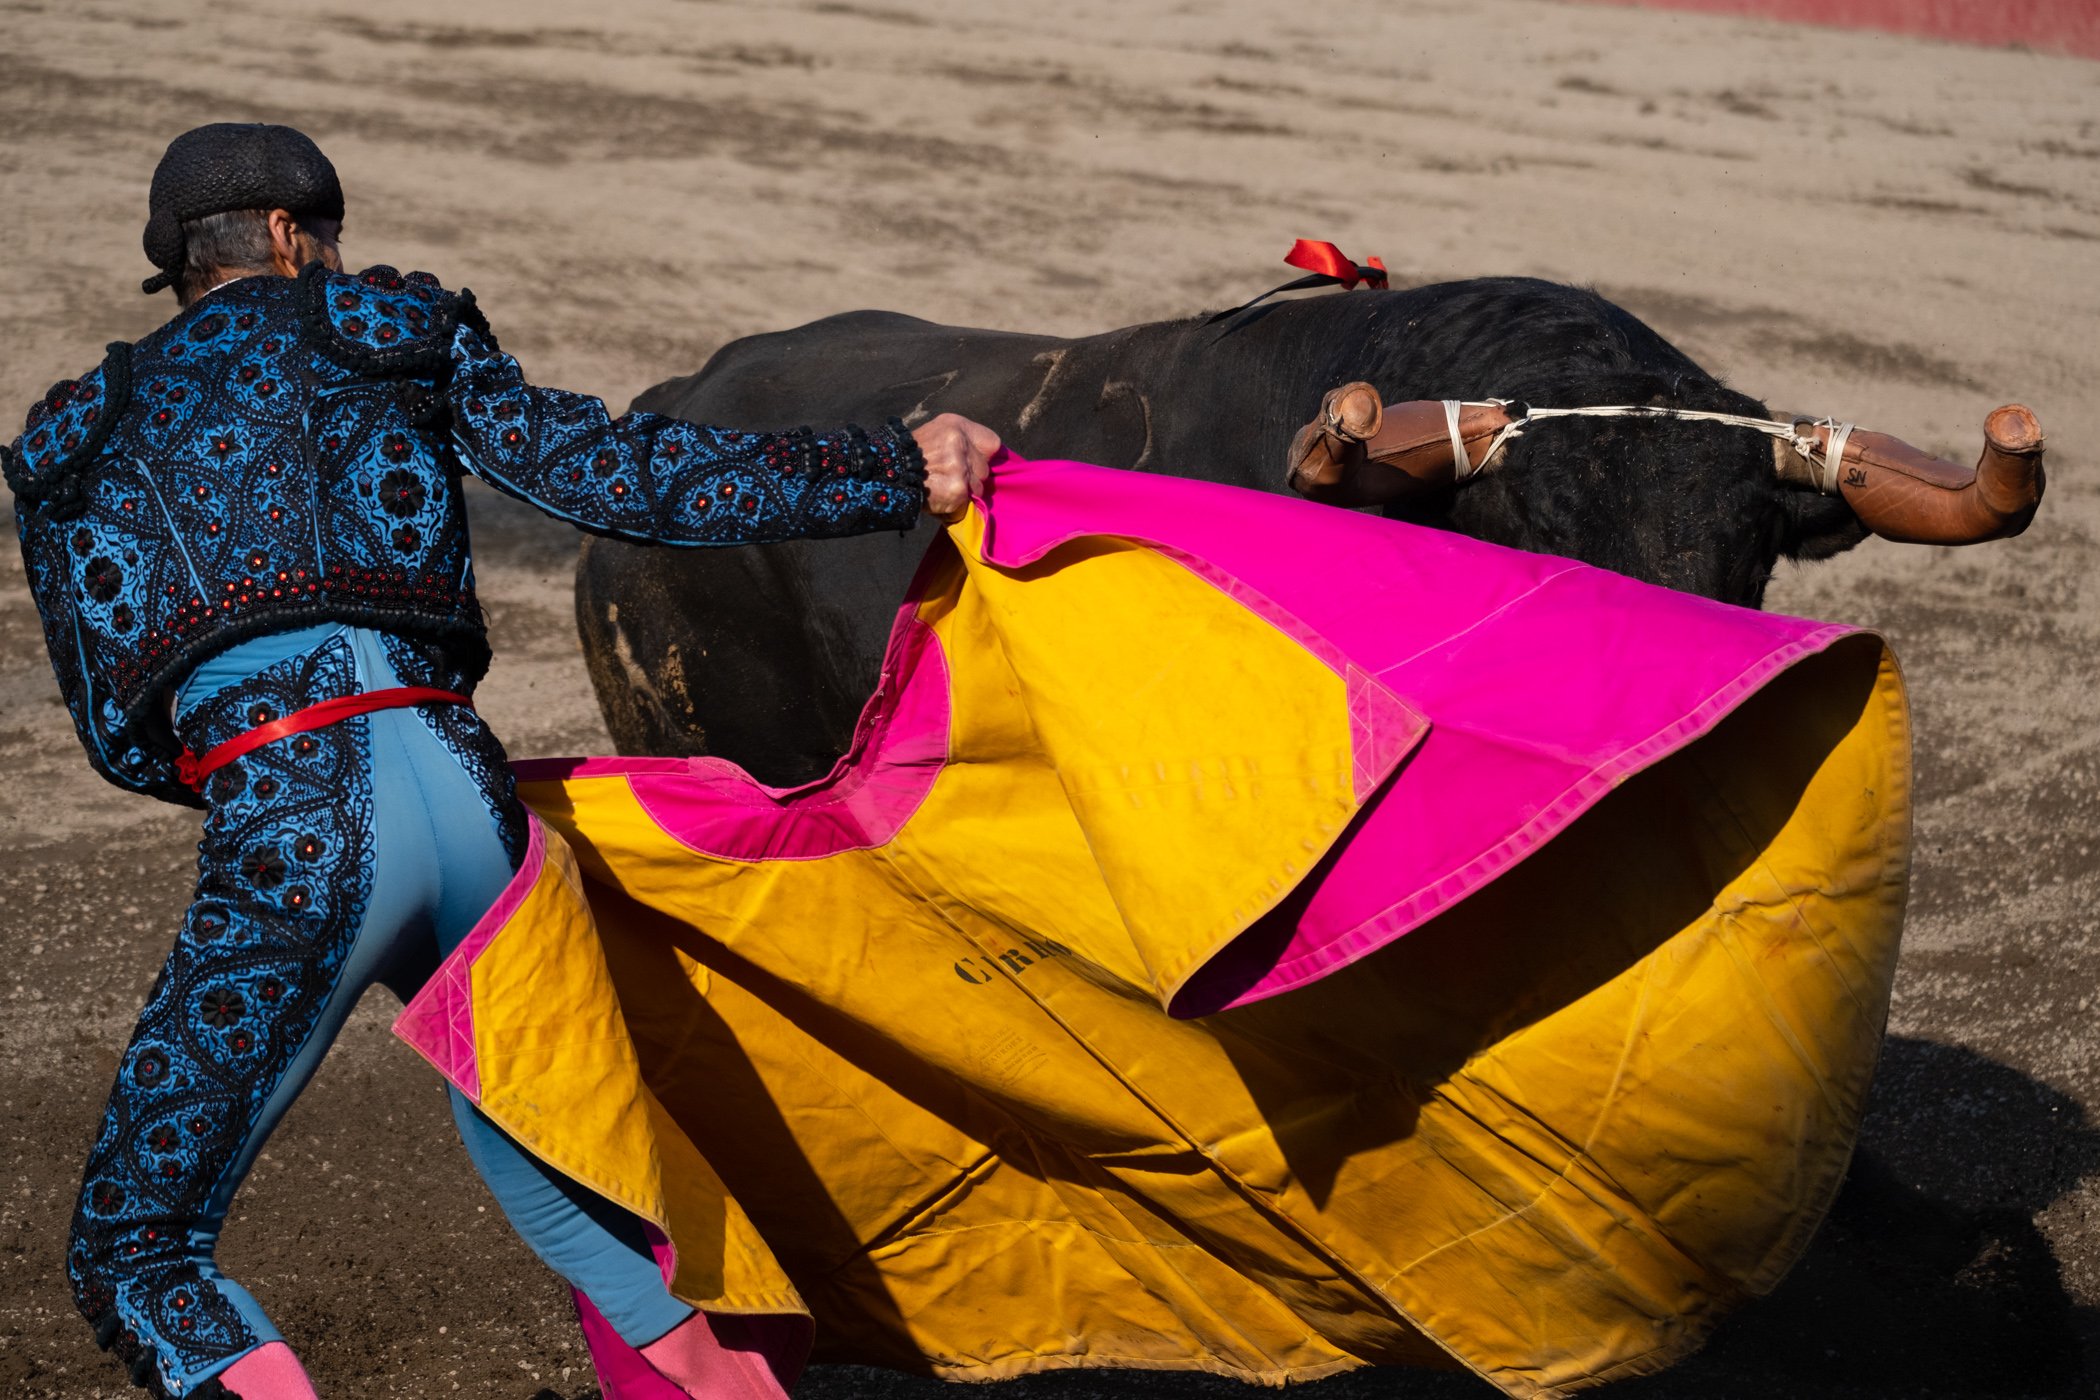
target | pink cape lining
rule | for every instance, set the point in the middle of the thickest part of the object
(1544, 684)
(439, 1019)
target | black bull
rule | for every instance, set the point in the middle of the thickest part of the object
(764, 655)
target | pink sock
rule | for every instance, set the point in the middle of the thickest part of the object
(705, 1357)
(270, 1372)
(732, 1357)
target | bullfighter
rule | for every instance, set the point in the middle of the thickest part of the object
(246, 539)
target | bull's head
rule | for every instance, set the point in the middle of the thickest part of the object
(1361, 451)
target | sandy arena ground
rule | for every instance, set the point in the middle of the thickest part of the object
(1898, 231)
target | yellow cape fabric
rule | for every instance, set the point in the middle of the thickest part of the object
(926, 1091)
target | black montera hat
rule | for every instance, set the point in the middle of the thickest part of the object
(233, 165)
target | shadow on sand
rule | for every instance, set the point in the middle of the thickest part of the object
(1929, 1278)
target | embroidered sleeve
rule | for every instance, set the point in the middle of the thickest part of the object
(114, 749)
(656, 480)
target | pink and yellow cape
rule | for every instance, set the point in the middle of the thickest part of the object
(1244, 936)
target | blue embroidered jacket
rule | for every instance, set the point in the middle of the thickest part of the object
(286, 452)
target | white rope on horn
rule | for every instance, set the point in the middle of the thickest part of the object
(1461, 460)
(1833, 457)
(1823, 462)
(1768, 426)
(1509, 432)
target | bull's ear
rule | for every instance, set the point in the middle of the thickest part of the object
(1814, 526)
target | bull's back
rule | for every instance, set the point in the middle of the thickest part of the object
(857, 367)
(764, 655)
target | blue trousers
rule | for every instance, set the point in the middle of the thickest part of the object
(331, 860)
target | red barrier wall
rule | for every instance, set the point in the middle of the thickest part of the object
(2053, 26)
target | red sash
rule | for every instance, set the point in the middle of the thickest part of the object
(193, 770)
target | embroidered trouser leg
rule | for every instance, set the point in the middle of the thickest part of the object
(330, 860)
(266, 965)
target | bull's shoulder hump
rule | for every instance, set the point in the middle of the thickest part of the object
(863, 333)
(875, 343)
(832, 335)
(1484, 307)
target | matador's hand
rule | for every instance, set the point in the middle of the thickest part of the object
(958, 456)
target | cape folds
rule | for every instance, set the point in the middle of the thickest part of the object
(1244, 936)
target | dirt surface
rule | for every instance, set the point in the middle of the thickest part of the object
(1897, 231)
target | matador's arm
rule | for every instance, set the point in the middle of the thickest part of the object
(650, 479)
